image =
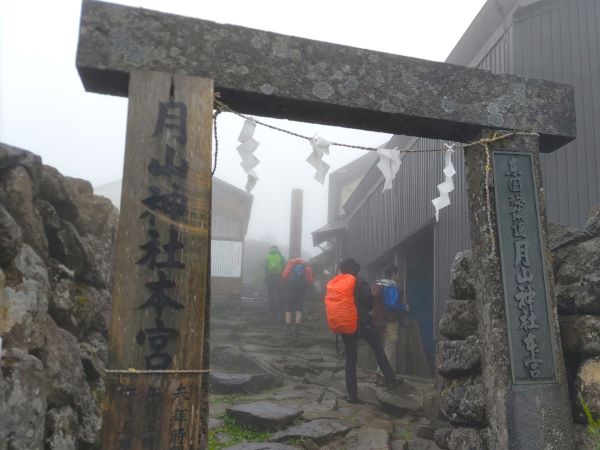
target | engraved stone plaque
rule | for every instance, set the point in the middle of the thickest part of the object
(523, 269)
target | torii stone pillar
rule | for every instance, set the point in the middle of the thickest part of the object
(296, 224)
(269, 74)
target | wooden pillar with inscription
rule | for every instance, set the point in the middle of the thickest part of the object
(156, 393)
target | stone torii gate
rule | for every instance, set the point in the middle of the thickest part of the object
(167, 66)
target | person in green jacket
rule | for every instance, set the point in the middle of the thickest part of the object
(274, 266)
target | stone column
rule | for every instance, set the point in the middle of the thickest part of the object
(523, 368)
(296, 224)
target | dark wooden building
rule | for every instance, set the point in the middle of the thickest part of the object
(555, 40)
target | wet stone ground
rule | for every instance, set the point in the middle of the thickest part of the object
(266, 388)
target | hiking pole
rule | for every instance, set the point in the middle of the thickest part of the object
(340, 362)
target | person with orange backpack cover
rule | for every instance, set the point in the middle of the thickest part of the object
(348, 304)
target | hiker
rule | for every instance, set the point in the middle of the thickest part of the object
(348, 305)
(387, 310)
(297, 276)
(274, 266)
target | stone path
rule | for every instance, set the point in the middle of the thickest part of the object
(284, 412)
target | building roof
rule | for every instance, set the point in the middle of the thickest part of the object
(328, 231)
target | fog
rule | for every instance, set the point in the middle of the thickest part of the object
(43, 107)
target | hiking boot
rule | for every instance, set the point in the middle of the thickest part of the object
(395, 383)
(353, 399)
(288, 330)
(297, 330)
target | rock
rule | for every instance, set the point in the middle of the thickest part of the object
(399, 444)
(11, 237)
(425, 429)
(55, 190)
(458, 358)
(382, 424)
(80, 309)
(322, 379)
(592, 225)
(17, 196)
(263, 415)
(580, 335)
(64, 371)
(99, 252)
(461, 277)
(94, 211)
(11, 157)
(49, 217)
(441, 436)
(319, 430)
(578, 279)
(91, 359)
(261, 446)
(214, 423)
(431, 404)
(399, 399)
(25, 400)
(465, 439)
(291, 394)
(231, 359)
(24, 301)
(61, 429)
(421, 444)
(367, 438)
(66, 246)
(583, 439)
(99, 248)
(295, 368)
(460, 319)
(587, 383)
(462, 401)
(97, 227)
(242, 383)
(560, 236)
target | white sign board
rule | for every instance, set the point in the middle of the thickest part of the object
(225, 259)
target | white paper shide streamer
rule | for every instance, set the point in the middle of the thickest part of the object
(389, 163)
(447, 186)
(246, 150)
(320, 147)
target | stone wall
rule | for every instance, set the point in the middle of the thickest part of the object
(576, 263)
(56, 243)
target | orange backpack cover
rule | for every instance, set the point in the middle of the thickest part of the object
(342, 316)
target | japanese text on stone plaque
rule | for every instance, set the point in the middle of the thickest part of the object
(523, 269)
(160, 251)
(525, 295)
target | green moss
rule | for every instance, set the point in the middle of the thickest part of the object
(403, 435)
(593, 427)
(231, 434)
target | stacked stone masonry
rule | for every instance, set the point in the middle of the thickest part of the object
(576, 264)
(56, 244)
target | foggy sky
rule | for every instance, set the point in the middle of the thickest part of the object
(43, 107)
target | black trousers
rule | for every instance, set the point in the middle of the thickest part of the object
(295, 298)
(274, 289)
(370, 335)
